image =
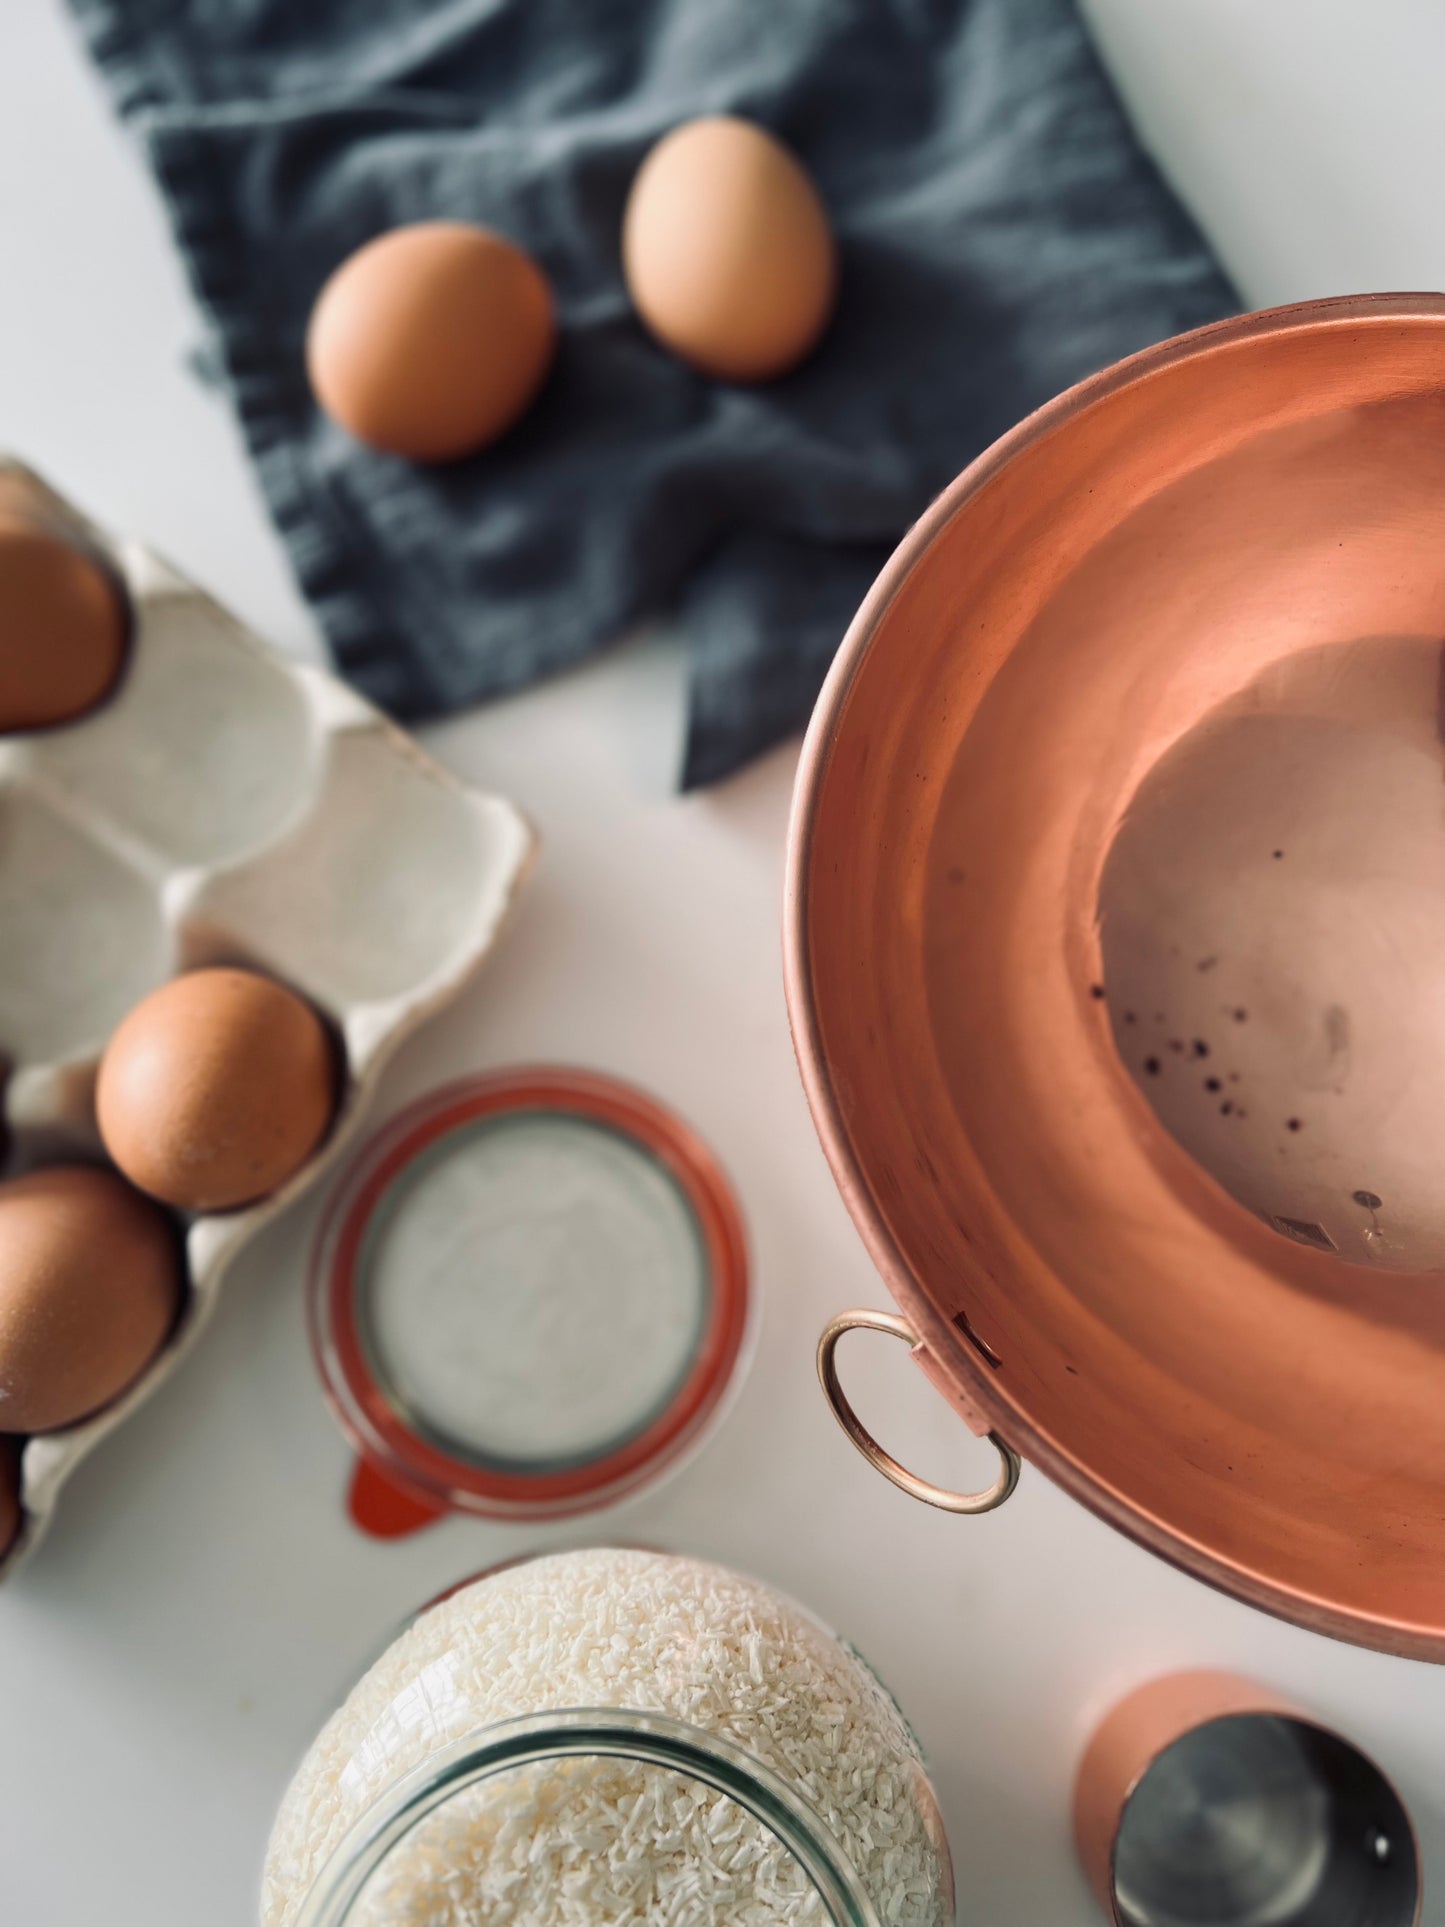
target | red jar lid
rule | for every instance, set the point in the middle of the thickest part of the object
(528, 1298)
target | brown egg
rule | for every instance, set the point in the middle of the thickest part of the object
(90, 1282)
(727, 250)
(11, 1513)
(62, 628)
(431, 340)
(216, 1089)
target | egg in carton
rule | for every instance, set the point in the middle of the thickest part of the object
(222, 806)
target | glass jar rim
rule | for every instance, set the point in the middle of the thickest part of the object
(652, 1739)
(392, 1444)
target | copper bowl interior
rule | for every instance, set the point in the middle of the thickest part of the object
(1199, 523)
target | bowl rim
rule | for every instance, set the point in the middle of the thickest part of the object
(977, 1388)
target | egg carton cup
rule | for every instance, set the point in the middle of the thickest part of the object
(224, 806)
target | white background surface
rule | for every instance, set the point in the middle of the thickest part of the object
(202, 1602)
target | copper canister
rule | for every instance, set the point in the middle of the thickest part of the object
(1206, 1799)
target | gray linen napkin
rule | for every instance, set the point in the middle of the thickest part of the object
(1002, 234)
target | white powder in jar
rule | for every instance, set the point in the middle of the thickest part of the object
(604, 1840)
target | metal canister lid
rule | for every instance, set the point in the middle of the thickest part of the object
(529, 1298)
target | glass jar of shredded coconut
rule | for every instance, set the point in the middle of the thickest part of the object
(612, 1736)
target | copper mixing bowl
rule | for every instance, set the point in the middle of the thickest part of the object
(1226, 1345)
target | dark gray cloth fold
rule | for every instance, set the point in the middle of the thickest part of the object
(1002, 233)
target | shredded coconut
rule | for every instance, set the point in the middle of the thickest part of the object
(596, 1841)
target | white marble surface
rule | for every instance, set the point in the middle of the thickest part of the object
(202, 1601)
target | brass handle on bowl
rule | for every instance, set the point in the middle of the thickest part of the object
(909, 1482)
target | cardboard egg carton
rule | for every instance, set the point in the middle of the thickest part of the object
(225, 805)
